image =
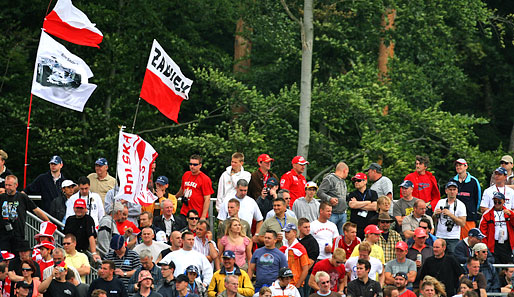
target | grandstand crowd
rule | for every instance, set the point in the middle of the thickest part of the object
(271, 237)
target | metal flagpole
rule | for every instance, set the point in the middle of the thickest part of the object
(27, 145)
(135, 115)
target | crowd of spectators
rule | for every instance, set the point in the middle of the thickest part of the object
(272, 237)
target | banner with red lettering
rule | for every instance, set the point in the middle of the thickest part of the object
(135, 157)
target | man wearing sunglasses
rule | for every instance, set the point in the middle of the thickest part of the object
(486, 267)
(506, 163)
(497, 225)
(362, 203)
(196, 189)
(500, 186)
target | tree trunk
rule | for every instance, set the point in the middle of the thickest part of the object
(306, 81)
(511, 143)
(242, 48)
(385, 52)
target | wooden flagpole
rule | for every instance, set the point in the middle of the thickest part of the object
(135, 115)
(27, 145)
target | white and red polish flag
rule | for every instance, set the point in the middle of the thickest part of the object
(164, 85)
(135, 157)
(69, 23)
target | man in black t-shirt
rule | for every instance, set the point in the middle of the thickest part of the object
(107, 282)
(82, 226)
(57, 286)
(362, 203)
(14, 213)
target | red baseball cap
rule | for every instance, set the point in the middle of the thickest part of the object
(420, 232)
(401, 245)
(80, 203)
(372, 229)
(299, 160)
(360, 175)
(265, 158)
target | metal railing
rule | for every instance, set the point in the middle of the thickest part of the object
(32, 228)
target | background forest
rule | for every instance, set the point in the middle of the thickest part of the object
(446, 95)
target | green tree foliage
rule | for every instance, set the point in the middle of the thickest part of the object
(434, 104)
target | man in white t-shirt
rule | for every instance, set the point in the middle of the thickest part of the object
(248, 208)
(94, 204)
(450, 214)
(324, 231)
(377, 268)
(500, 178)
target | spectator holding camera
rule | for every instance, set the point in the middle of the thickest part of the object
(450, 215)
(267, 195)
(57, 285)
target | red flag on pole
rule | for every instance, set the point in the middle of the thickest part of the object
(69, 23)
(164, 85)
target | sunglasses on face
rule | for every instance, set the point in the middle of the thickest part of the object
(498, 202)
(26, 269)
(504, 163)
(194, 164)
(325, 282)
(357, 180)
(66, 243)
(194, 218)
(385, 222)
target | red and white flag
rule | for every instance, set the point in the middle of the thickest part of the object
(135, 157)
(164, 85)
(69, 23)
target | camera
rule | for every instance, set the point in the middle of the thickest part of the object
(8, 227)
(449, 225)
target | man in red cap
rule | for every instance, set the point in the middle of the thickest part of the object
(372, 237)
(294, 181)
(419, 251)
(400, 264)
(82, 226)
(260, 176)
(362, 203)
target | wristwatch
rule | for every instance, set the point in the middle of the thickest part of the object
(124, 274)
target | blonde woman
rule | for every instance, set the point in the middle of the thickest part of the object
(383, 206)
(236, 241)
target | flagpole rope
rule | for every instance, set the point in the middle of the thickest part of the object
(27, 145)
(50, 3)
(135, 115)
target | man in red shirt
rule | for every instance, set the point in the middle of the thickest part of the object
(425, 184)
(349, 240)
(294, 181)
(334, 267)
(196, 187)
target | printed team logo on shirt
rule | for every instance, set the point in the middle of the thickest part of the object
(266, 259)
(190, 184)
(9, 210)
(67, 292)
(409, 210)
(422, 186)
(126, 262)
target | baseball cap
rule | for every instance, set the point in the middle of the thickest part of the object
(407, 184)
(475, 232)
(374, 166)
(165, 262)
(289, 227)
(101, 162)
(360, 175)
(163, 180)
(501, 170)
(507, 158)
(285, 272)
(55, 160)
(272, 182)
(192, 268)
(67, 183)
(182, 278)
(498, 195)
(372, 229)
(80, 203)
(420, 232)
(117, 242)
(229, 254)
(401, 274)
(461, 161)
(479, 246)
(144, 274)
(299, 160)
(311, 184)
(451, 184)
(265, 158)
(401, 245)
